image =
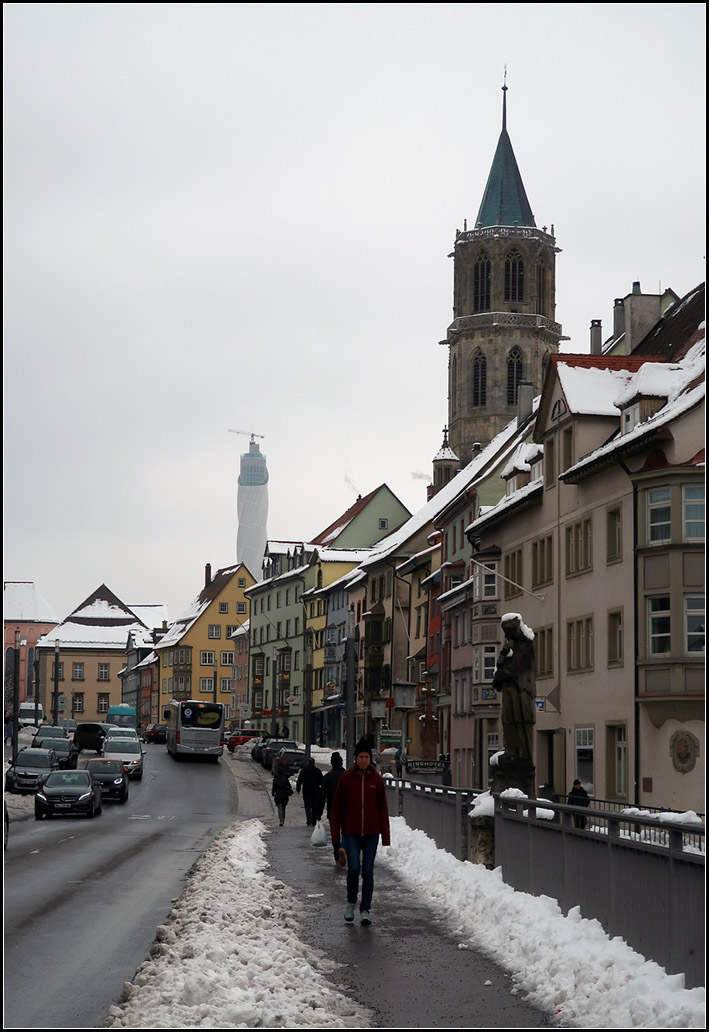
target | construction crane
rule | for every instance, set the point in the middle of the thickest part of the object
(247, 433)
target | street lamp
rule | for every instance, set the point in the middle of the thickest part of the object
(55, 698)
(16, 690)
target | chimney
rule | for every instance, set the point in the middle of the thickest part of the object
(596, 337)
(525, 397)
(477, 448)
(207, 575)
(618, 318)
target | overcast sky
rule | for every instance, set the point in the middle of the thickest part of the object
(237, 216)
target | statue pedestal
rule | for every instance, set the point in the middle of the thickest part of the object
(511, 773)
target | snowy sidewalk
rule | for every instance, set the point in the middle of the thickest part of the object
(257, 940)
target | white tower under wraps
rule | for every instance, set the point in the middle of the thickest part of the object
(252, 508)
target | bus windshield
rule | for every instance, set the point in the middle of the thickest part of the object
(202, 714)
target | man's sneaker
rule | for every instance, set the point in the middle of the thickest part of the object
(341, 857)
(365, 918)
(349, 912)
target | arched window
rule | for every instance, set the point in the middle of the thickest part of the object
(514, 375)
(514, 276)
(479, 380)
(454, 384)
(541, 289)
(481, 283)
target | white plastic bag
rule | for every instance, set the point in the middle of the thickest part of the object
(319, 836)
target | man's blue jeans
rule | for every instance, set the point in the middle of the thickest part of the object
(361, 850)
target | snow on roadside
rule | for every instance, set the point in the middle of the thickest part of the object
(233, 959)
(566, 965)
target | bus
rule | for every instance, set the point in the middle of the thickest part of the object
(194, 728)
(122, 716)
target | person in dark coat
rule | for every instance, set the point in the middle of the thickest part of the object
(310, 780)
(578, 796)
(360, 815)
(281, 790)
(327, 798)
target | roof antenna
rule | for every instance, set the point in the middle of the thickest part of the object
(504, 102)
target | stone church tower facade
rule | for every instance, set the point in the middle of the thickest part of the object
(503, 328)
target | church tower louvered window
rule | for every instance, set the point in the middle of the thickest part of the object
(481, 283)
(514, 276)
(479, 380)
(514, 375)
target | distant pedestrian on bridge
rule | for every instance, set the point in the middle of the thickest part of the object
(578, 796)
(360, 810)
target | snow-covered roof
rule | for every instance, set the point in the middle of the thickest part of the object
(509, 502)
(445, 454)
(477, 469)
(23, 603)
(71, 634)
(684, 392)
(152, 614)
(592, 391)
(522, 459)
(199, 604)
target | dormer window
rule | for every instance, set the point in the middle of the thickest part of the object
(630, 417)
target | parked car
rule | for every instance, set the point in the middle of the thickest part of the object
(130, 753)
(50, 731)
(112, 777)
(289, 761)
(258, 747)
(69, 723)
(90, 736)
(66, 792)
(242, 735)
(274, 746)
(155, 733)
(29, 715)
(64, 748)
(28, 768)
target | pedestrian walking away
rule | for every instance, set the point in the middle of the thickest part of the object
(310, 780)
(360, 816)
(281, 790)
(578, 796)
(327, 798)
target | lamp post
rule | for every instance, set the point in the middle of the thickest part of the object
(16, 693)
(350, 667)
(55, 697)
(308, 691)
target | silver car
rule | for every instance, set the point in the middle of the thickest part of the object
(129, 752)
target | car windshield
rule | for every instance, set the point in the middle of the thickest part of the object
(60, 745)
(35, 758)
(121, 733)
(122, 746)
(51, 732)
(67, 777)
(105, 767)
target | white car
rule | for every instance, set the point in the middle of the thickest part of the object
(129, 751)
(128, 734)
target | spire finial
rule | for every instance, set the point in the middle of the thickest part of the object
(504, 102)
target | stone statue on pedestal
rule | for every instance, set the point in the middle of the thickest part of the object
(514, 679)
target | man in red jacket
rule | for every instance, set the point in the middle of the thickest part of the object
(360, 810)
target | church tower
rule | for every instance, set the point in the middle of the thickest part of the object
(503, 328)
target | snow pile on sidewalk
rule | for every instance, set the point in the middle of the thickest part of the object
(565, 965)
(228, 956)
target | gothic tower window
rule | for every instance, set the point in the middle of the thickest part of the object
(479, 380)
(541, 289)
(454, 384)
(514, 276)
(514, 374)
(481, 283)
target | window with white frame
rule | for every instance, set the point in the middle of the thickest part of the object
(659, 516)
(206, 684)
(630, 417)
(693, 512)
(77, 672)
(224, 684)
(618, 748)
(659, 625)
(485, 580)
(694, 624)
(103, 703)
(77, 703)
(104, 672)
(226, 658)
(223, 607)
(215, 630)
(241, 582)
(206, 659)
(542, 561)
(584, 757)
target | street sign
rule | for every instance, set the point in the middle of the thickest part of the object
(392, 738)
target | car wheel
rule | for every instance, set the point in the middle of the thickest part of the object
(124, 797)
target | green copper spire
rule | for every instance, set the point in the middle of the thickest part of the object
(504, 201)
